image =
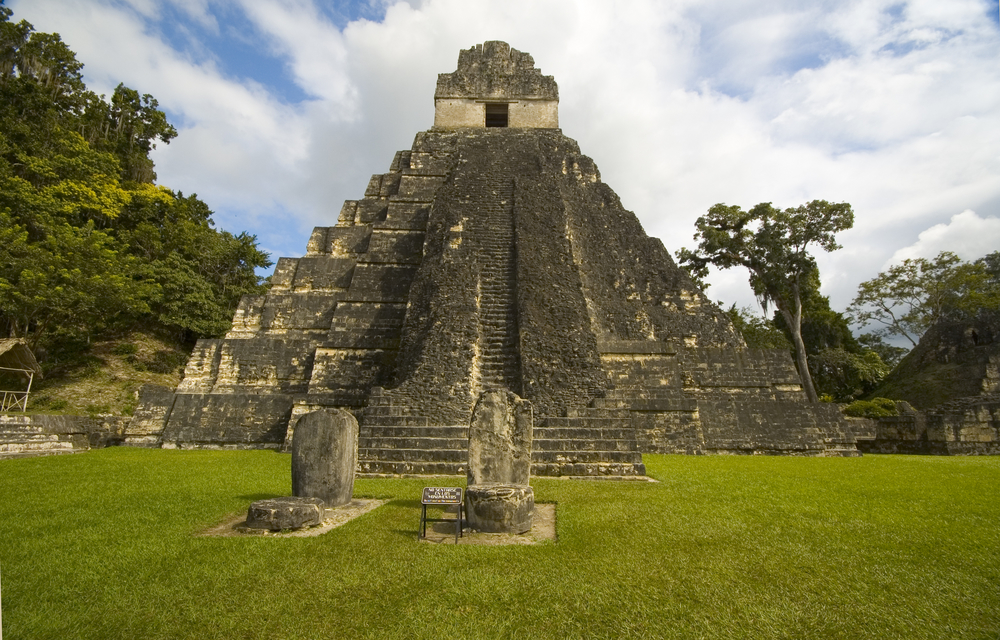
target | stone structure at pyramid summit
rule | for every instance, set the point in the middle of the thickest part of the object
(491, 256)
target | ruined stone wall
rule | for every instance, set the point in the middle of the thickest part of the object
(36, 434)
(966, 426)
(494, 70)
(634, 289)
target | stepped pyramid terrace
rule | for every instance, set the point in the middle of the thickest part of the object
(491, 256)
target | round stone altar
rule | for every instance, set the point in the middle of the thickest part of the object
(292, 512)
(500, 508)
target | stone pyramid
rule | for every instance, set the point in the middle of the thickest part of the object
(491, 255)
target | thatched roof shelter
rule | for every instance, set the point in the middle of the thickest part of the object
(15, 354)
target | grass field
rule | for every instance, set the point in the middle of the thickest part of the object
(101, 545)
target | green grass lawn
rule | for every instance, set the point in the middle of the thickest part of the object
(101, 545)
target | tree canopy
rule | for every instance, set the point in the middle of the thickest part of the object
(909, 297)
(88, 242)
(773, 245)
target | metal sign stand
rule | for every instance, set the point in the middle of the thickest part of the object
(439, 496)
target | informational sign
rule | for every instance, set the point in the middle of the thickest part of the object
(442, 495)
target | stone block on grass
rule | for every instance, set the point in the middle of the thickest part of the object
(285, 513)
(500, 508)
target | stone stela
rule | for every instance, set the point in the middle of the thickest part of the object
(491, 255)
(498, 498)
(324, 457)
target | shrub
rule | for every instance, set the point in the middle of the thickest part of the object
(124, 349)
(874, 408)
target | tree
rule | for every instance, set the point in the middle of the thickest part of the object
(909, 297)
(773, 245)
(845, 375)
(128, 127)
(87, 243)
(890, 354)
(757, 331)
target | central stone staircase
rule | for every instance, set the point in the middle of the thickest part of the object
(498, 274)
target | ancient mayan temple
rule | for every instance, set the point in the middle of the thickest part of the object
(491, 255)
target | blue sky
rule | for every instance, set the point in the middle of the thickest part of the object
(286, 107)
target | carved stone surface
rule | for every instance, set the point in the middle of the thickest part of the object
(500, 508)
(285, 513)
(500, 440)
(495, 70)
(325, 455)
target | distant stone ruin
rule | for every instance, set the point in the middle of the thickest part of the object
(952, 378)
(491, 255)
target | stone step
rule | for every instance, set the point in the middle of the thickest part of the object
(413, 455)
(592, 412)
(489, 359)
(583, 422)
(415, 432)
(395, 421)
(588, 469)
(416, 468)
(678, 403)
(384, 410)
(600, 444)
(417, 442)
(584, 433)
(642, 393)
(585, 456)
(46, 445)
(27, 432)
(144, 441)
(37, 453)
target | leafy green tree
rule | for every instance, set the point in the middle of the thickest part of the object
(841, 367)
(201, 273)
(87, 242)
(73, 279)
(845, 375)
(908, 298)
(128, 127)
(773, 245)
(890, 354)
(757, 331)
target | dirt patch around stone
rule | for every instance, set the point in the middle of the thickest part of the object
(543, 528)
(235, 525)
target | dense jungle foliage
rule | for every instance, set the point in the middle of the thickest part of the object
(90, 246)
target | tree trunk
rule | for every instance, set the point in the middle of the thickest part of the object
(801, 360)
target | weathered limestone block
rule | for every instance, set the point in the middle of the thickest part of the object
(324, 456)
(150, 416)
(285, 513)
(500, 508)
(498, 498)
(500, 439)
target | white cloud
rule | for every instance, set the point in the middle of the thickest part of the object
(198, 11)
(966, 234)
(891, 106)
